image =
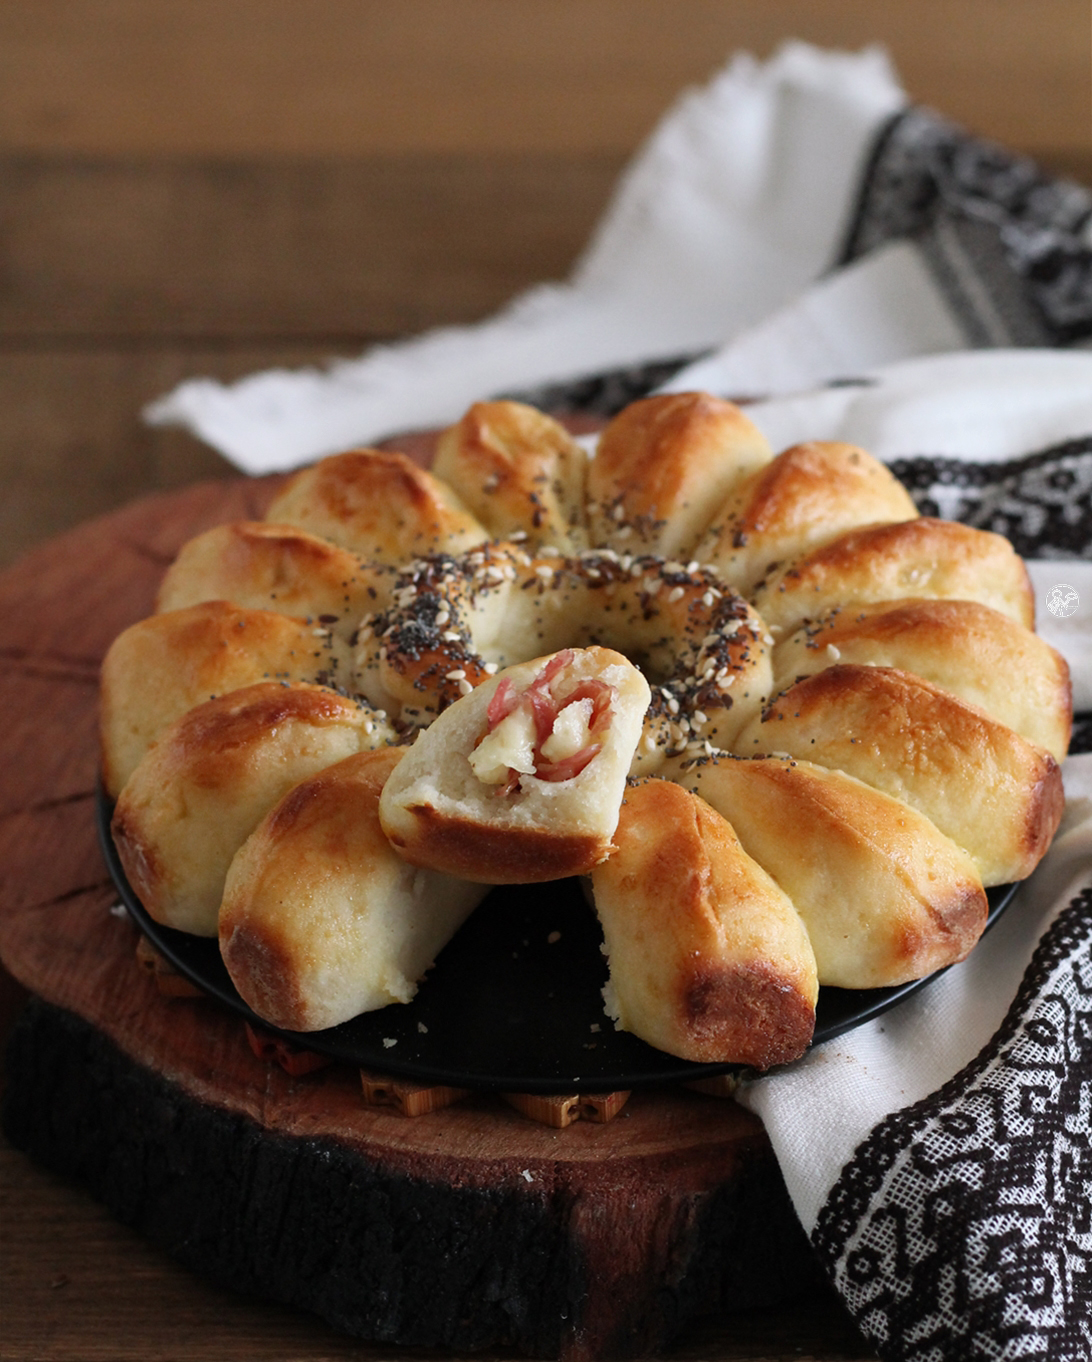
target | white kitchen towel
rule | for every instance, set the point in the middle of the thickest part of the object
(741, 198)
(940, 1157)
(956, 244)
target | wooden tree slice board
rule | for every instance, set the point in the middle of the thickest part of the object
(468, 1227)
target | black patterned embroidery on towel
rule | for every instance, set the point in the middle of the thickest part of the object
(962, 1228)
(1009, 245)
(606, 393)
(1042, 503)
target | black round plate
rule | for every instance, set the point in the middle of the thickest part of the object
(513, 1002)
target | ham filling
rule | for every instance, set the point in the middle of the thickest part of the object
(545, 730)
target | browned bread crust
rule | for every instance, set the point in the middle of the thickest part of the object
(275, 567)
(379, 505)
(807, 496)
(200, 791)
(163, 666)
(708, 958)
(977, 653)
(993, 793)
(662, 468)
(517, 470)
(320, 919)
(933, 559)
(885, 896)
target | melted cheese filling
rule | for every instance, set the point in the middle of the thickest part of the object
(510, 747)
(571, 732)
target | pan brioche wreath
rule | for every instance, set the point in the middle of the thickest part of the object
(764, 706)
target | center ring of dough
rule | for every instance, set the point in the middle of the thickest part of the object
(455, 620)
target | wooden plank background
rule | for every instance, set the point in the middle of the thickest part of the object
(215, 186)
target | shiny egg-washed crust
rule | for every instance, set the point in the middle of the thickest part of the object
(663, 467)
(160, 667)
(803, 499)
(276, 567)
(379, 505)
(708, 958)
(321, 920)
(212, 775)
(438, 813)
(927, 558)
(519, 471)
(963, 647)
(884, 895)
(989, 790)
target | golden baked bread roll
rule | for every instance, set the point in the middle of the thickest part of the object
(379, 505)
(162, 666)
(202, 789)
(708, 959)
(989, 790)
(977, 653)
(320, 919)
(276, 567)
(520, 781)
(663, 466)
(926, 558)
(517, 470)
(806, 497)
(885, 896)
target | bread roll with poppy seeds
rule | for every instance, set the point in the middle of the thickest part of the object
(662, 467)
(977, 653)
(276, 567)
(927, 558)
(517, 470)
(807, 496)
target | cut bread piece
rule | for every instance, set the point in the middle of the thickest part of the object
(202, 789)
(320, 919)
(708, 958)
(989, 790)
(885, 896)
(520, 781)
(977, 653)
(162, 666)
